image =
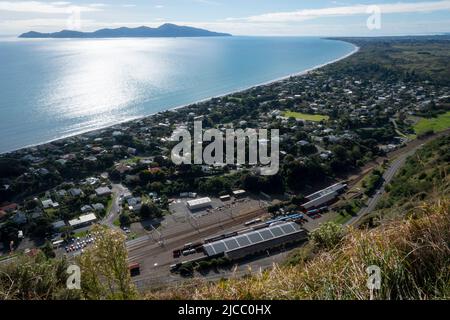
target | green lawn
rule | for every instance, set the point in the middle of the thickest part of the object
(109, 205)
(131, 160)
(342, 218)
(304, 116)
(439, 123)
(81, 234)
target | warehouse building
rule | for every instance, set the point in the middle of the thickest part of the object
(324, 196)
(256, 241)
(83, 221)
(239, 193)
(199, 203)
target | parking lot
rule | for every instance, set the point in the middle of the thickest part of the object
(76, 246)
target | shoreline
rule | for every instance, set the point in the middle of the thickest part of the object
(269, 82)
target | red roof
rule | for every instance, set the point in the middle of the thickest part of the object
(154, 170)
(9, 207)
(133, 266)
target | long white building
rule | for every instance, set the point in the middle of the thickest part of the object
(324, 196)
(199, 203)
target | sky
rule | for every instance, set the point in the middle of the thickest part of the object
(238, 17)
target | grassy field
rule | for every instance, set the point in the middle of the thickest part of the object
(304, 116)
(439, 123)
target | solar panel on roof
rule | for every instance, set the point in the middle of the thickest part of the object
(243, 241)
(254, 237)
(209, 250)
(277, 231)
(231, 244)
(251, 238)
(219, 247)
(266, 234)
(287, 228)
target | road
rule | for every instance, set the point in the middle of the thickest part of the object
(117, 191)
(400, 157)
(387, 178)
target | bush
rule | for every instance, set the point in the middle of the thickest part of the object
(125, 219)
(150, 210)
(328, 235)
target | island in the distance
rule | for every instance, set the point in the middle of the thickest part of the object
(165, 30)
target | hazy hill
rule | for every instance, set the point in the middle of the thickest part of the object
(165, 30)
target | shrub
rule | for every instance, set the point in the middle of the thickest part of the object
(328, 235)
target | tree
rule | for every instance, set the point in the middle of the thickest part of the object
(31, 204)
(298, 199)
(47, 249)
(35, 278)
(104, 267)
(66, 232)
(124, 219)
(149, 210)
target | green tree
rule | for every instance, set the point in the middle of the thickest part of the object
(35, 278)
(150, 210)
(104, 268)
(124, 219)
(47, 249)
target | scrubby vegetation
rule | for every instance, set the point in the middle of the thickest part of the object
(424, 175)
(104, 273)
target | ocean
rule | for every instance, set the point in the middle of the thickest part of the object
(54, 88)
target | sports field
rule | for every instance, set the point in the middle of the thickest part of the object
(304, 116)
(437, 124)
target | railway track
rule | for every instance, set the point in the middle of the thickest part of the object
(177, 240)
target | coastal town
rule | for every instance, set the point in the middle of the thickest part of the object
(333, 122)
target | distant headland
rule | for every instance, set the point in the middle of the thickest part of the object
(165, 30)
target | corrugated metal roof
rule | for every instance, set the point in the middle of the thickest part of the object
(199, 201)
(323, 192)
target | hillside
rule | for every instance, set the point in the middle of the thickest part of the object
(424, 176)
(165, 30)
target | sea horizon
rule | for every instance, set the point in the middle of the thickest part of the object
(344, 49)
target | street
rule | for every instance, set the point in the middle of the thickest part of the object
(118, 190)
(387, 178)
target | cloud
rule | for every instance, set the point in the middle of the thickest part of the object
(307, 14)
(210, 2)
(159, 6)
(97, 5)
(61, 7)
